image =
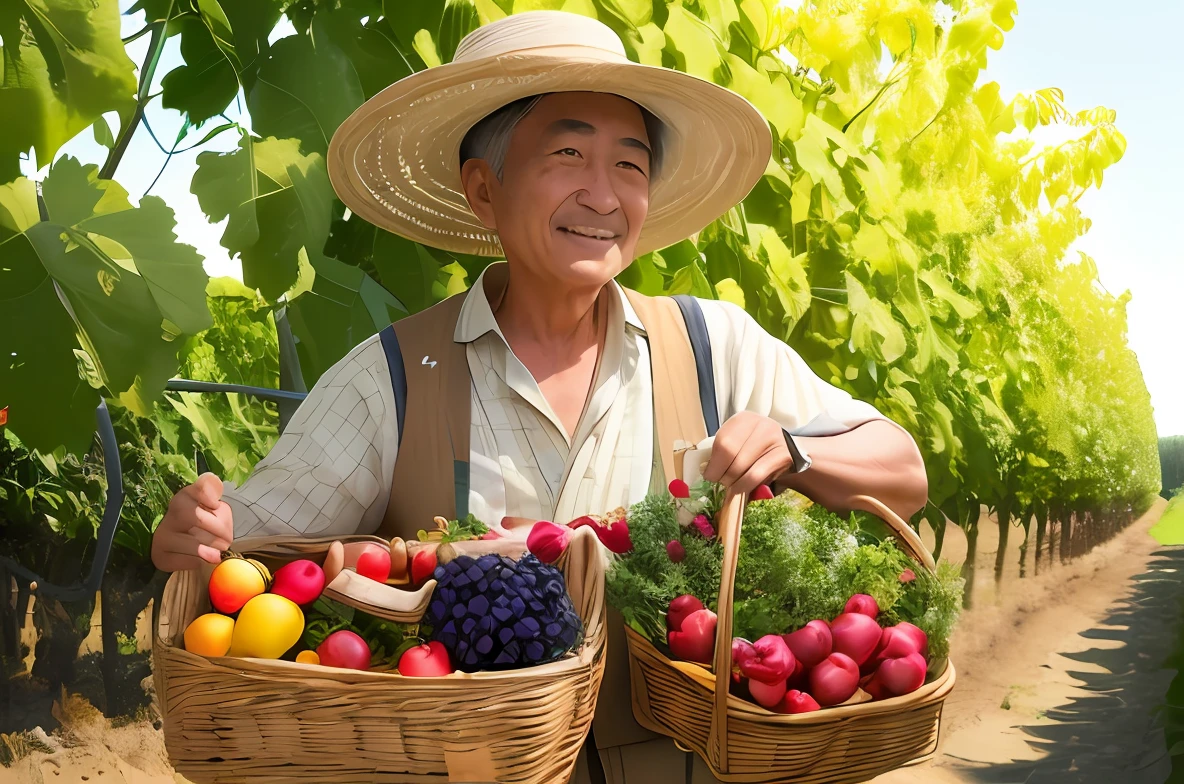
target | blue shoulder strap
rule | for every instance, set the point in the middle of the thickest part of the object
(394, 363)
(692, 314)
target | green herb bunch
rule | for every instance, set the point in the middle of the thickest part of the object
(797, 562)
(387, 639)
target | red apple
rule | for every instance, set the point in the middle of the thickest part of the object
(679, 609)
(423, 563)
(695, 641)
(810, 644)
(856, 635)
(873, 686)
(767, 695)
(797, 702)
(834, 679)
(344, 649)
(919, 638)
(300, 581)
(425, 661)
(375, 563)
(904, 675)
(761, 493)
(863, 604)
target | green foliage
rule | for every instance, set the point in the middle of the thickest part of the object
(97, 294)
(1171, 464)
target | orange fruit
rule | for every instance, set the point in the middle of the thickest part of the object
(209, 635)
(308, 657)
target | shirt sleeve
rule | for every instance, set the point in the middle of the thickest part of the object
(330, 472)
(755, 371)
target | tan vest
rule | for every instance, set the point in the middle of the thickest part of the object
(434, 448)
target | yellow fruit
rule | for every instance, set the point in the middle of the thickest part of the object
(234, 582)
(209, 635)
(308, 657)
(267, 627)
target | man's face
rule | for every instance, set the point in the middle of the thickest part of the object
(575, 188)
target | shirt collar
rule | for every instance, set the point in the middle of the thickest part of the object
(476, 314)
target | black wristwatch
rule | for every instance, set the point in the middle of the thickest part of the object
(801, 460)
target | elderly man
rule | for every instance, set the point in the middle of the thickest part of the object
(538, 394)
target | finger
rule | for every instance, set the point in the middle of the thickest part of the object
(202, 536)
(217, 522)
(752, 451)
(209, 554)
(768, 467)
(208, 490)
(182, 551)
(728, 442)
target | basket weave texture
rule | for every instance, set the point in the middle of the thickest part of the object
(742, 742)
(237, 719)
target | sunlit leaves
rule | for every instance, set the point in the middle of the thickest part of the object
(100, 292)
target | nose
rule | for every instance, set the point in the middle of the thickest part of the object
(598, 193)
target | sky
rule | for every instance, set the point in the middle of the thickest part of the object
(1126, 57)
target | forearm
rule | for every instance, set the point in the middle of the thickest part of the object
(876, 459)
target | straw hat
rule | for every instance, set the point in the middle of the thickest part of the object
(396, 160)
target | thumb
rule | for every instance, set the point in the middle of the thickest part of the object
(208, 490)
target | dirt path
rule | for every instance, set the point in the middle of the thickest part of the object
(1069, 660)
(1039, 666)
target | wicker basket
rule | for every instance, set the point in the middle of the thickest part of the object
(741, 741)
(237, 719)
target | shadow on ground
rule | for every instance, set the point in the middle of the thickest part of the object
(1121, 731)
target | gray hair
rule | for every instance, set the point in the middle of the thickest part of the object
(489, 139)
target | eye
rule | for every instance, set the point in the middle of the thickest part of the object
(569, 151)
(632, 165)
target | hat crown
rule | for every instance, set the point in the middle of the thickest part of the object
(537, 30)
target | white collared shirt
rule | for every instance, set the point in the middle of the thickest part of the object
(330, 473)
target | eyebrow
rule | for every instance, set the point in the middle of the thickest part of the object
(586, 129)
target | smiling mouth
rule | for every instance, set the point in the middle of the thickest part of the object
(589, 232)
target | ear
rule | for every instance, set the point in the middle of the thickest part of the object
(479, 181)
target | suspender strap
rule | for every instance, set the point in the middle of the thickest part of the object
(394, 363)
(692, 314)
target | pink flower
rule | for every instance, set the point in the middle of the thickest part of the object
(907, 576)
(679, 489)
(703, 526)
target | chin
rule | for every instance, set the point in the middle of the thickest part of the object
(590, 272)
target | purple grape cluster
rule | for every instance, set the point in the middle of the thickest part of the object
(495, 613)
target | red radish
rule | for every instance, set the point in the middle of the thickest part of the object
(834, 679)
(874, 687)
(375, 563)
(797, 702)
(895, 643)
(798, 679)
(904, 675)
(856, 635)
(679, 489)
(300, 581)
(767, 695)
(680, 608)
(423, 563)
(771, 661)
(742, 653)
(907, 576)
(810, 644)
(547, 541)
(425, 661)
(675, 551)
(695, 639)
(864, 604)
(761, 493)
(344, 649)
(920, 639)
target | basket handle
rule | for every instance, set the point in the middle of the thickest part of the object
(728, 522)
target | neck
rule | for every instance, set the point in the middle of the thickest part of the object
(537, 311)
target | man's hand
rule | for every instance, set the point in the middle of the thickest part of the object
(749, 450)
(197, 527)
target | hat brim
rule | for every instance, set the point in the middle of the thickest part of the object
(396, 160)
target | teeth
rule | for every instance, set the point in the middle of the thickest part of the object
(588, 231)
